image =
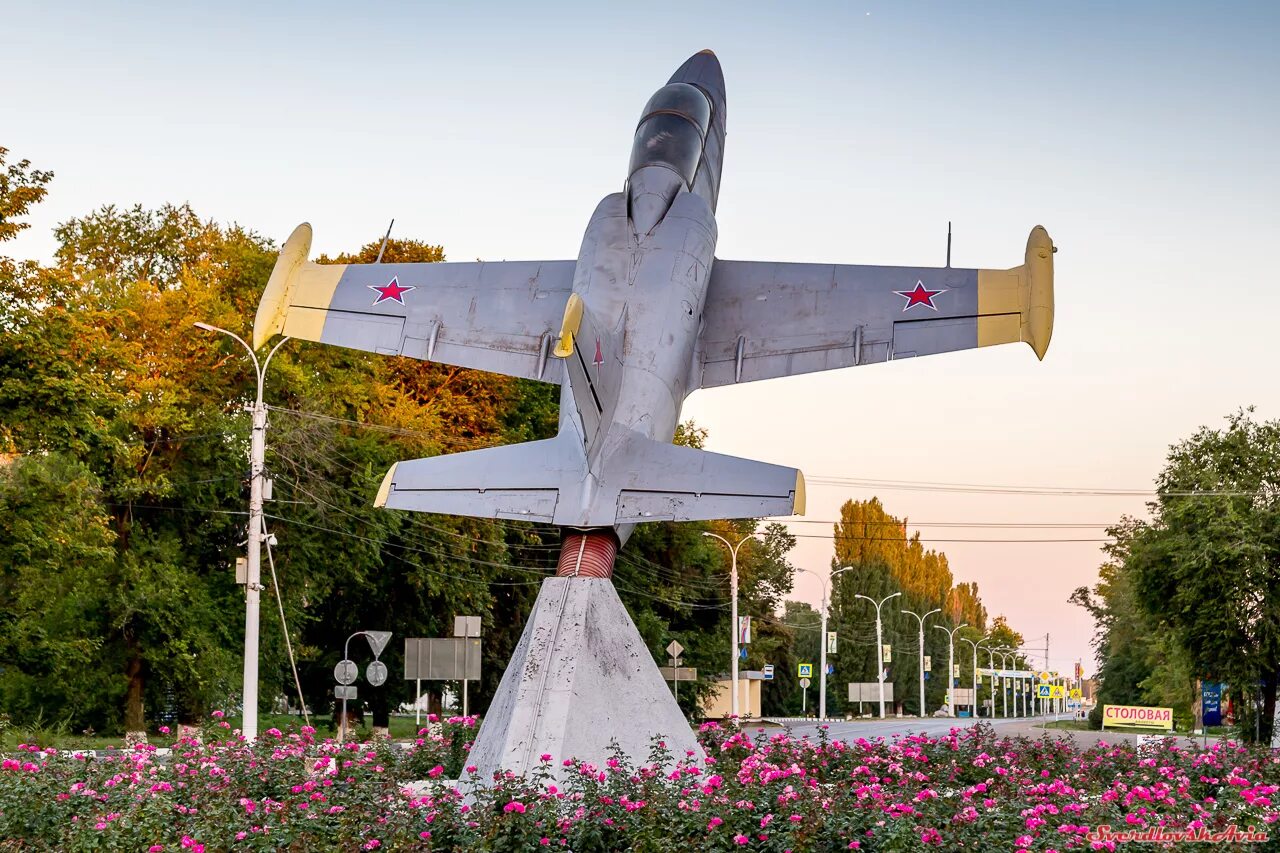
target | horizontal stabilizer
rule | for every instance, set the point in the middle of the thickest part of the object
(515, 481)
(549, 481)
(666, 482)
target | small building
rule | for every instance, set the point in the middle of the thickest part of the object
(718, 705)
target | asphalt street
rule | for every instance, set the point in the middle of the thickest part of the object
(1013, 727)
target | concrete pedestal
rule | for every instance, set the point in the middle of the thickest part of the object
(580, 678)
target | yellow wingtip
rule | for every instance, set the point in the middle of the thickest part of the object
(274, 305)
(798, 505)
(384, 491)
(1039, 266)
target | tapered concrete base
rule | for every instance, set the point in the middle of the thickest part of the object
(580, 678)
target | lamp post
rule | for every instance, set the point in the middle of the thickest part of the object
(879, 644)
(253, 574)
(822, 646)
(951, 661)
(921, 619)
(975, 673)
(733, 615)
(1004, 688)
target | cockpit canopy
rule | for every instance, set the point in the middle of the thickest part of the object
(672, 130)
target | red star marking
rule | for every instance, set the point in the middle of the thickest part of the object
(919, 295)
(391, 290)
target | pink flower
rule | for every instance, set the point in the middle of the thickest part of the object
(546, 756)
(164, 730)
(372, 843)
(435, 771)
(740, 839)
(156, 848)
(714, 822)
(514, 806)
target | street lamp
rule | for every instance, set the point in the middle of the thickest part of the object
(253, 575)
(921, 619)
(733, 615)
(879, 644)
(951, 661)
(975, 645)
(991, 661)
(1004, 688)
(822, 646)
(822, 640)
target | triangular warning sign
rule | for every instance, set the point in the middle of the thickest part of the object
(377, 640)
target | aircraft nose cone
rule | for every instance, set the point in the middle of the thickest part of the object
(703, 70)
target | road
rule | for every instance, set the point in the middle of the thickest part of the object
(1012, 727)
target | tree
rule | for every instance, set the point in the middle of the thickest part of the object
(1207, 566)
(21, 187)
(1134, 652)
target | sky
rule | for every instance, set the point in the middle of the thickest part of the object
(1143, 136)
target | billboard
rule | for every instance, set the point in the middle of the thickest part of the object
(1211, 699)
(1137, 716)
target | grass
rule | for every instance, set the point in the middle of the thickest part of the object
(402, 728)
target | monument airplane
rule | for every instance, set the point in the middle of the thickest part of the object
(645, 316)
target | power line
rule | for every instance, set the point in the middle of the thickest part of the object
(996, 489)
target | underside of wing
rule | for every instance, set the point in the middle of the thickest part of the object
(495, 316)
(765, 320)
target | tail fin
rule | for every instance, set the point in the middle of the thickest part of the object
(549, 481)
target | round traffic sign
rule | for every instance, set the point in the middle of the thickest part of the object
(345, 672)
(804, 683)
(376, 673)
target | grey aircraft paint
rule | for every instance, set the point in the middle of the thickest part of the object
(643, 317)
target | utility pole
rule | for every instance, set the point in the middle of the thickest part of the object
(951, 662)
(880, 645)
(253, 573)
(921, 619)
(733, 616)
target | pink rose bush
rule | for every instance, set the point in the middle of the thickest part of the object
(752, 790)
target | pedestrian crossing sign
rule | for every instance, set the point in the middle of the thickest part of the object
(804, 670)
(1044, 691)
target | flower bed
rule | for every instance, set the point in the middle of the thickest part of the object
(968, 790)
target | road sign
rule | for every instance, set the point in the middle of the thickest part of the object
(686, 673)
(886, 653)
(1043, 676)
(768, 672)
(1074, 694)
(344, 692)
(928, 664)
(466, 626)
(869, 691)
(674, 649)
(1044, 691)
(955, 670)
(345, 672)
(376, 673)
(1058, 691)
(377, 640)
(442, 658)
(804, 670)
(804, 683)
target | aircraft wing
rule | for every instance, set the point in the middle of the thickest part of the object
(495, 316)
(764, 320)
